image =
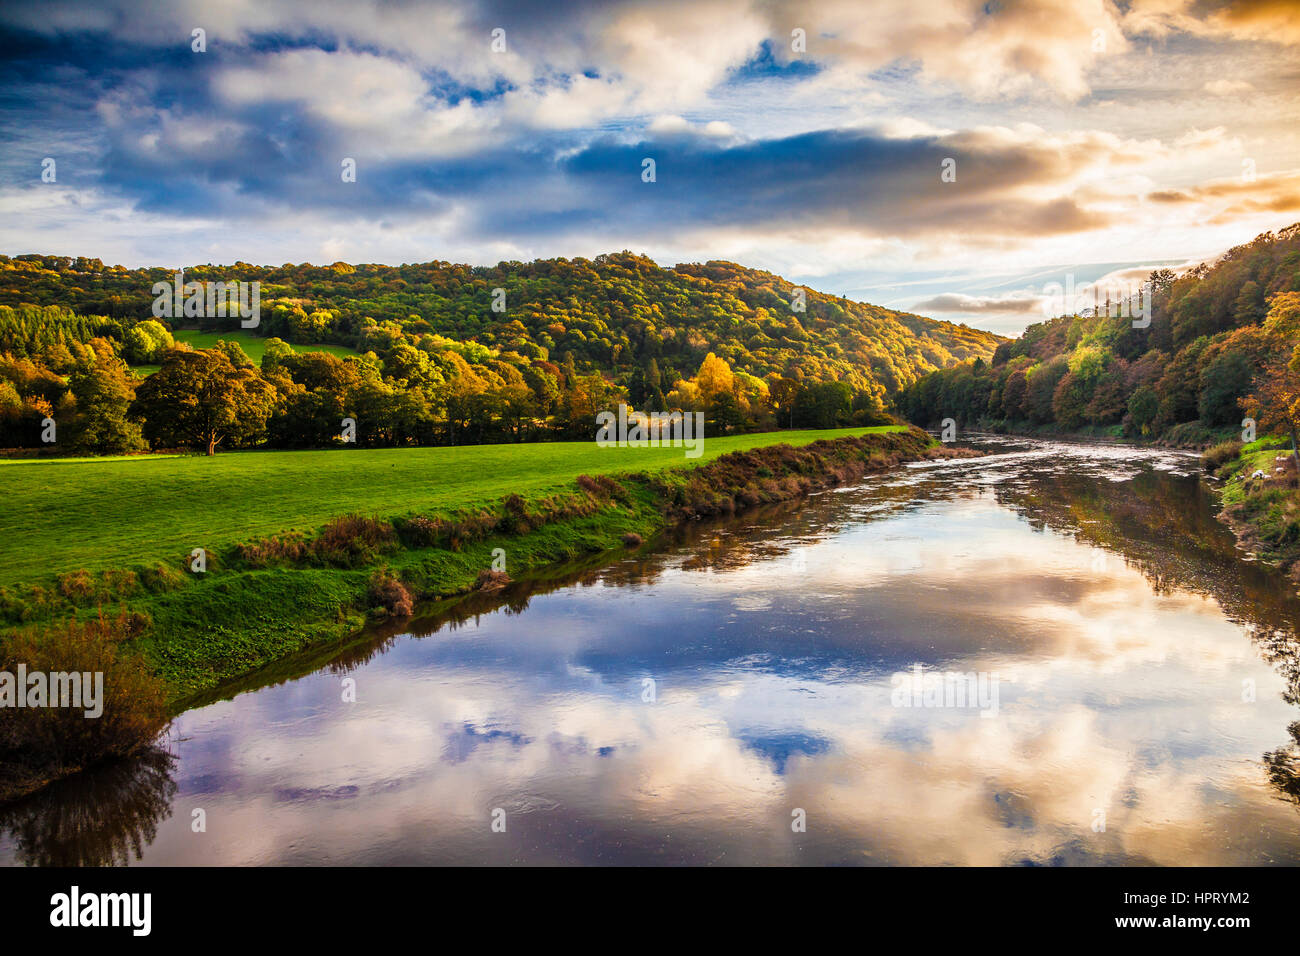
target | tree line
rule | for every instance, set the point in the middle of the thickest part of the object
(91, 403)
(447, 354)
(1220, 345)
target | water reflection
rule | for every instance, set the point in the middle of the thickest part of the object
(103, 818)
(1147, 714)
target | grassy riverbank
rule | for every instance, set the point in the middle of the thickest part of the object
(63, 515)
(302, 547)
(1260, 491)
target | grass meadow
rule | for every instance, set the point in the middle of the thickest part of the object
(62, 515)
(254, 346)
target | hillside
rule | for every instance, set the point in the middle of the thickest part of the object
(1217, 349)
(473, 364)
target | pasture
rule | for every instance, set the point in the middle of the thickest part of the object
(62, 515)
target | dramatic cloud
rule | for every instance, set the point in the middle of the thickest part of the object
(807, 138)
(1225, 200)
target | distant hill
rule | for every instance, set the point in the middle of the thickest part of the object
(614, 314)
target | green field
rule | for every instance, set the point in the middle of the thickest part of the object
(254, 346)
(62, 515)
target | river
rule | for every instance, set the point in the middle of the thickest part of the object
(747, 692)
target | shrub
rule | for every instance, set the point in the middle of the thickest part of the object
(421, 531)
(489, 580)
(76, 586)
(288, 547)
(611, 487)
(121, 583)
(353, 541)
(162, 577)
(515, 518)
(39, 744)
(389, 595)
(1220, 454)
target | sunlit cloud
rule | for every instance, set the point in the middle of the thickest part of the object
(802, 138)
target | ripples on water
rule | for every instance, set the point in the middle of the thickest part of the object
(1148, 694)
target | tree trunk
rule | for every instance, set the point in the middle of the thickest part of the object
(212, 447)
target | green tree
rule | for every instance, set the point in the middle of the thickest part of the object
(1143, 408)
(101, 425)
(201, 399)
(1224, 380)
(145, 342)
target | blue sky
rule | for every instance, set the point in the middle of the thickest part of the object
(1088, 138)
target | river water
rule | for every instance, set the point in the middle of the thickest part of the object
(762, 691)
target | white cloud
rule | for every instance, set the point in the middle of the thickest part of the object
(1227, 87)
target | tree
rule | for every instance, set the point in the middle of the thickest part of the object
(1143, 408)
(1223, 381)
(277, 350)
(724, 414)
(146, 341)
(783, 394)
(103, 390)
(1249, 307)
(714, 379)
(1013, 395)
(201, 399)
(823, 404)
(1041, 387)
(1275, 402)
(235, 352)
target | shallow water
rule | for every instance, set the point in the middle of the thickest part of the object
(1141, 699)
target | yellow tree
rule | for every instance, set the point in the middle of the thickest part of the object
(1275, 403)
(714, 378)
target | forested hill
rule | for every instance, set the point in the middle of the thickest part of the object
(1221, 344)
(616, 315)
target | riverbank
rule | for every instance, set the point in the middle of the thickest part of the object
(1259, 488)
(265, 599)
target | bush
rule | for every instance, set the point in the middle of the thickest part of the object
(389, 595)
(162, 577)
(515, 518)
(289, 548)
(353, 541)
(489, 580)
(39, 744)
(1220, 454)
(421, 531)
(76, 586)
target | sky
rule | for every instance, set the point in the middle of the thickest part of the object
(945, 157)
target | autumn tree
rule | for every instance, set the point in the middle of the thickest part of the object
(104, 389)
(714, 379)
(202, 399)
(1275, 402)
